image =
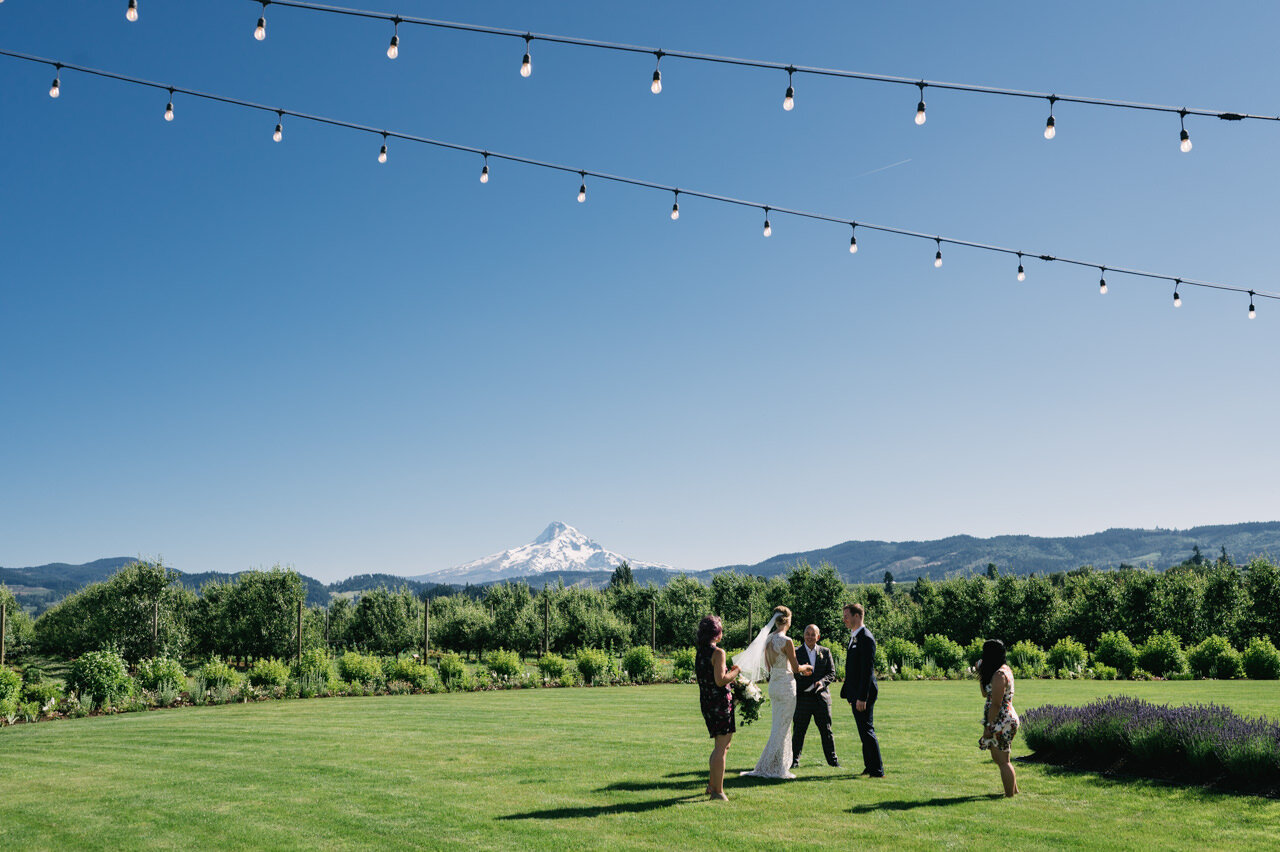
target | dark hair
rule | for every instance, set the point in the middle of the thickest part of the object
(856, 609)
(993, 658)
(709, 630)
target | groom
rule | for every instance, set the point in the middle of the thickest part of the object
(812, 698)
(860, 687)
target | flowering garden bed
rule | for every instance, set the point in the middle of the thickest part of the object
(1201, 744)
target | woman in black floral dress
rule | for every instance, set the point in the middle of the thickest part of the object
(716, 694)
(1000, 720)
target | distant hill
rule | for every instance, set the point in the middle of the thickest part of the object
(867, 561)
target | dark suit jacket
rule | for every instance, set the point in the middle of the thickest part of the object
(824, 672)
(860, 668)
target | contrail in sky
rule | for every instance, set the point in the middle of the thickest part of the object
(882, 168)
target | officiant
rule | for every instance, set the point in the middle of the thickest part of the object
(813, 700)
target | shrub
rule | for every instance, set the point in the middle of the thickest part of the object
(1027, 658)
(1068, 654)
(452, 670)
(217, 675)
(902, 653)
(269, 673)
(33, 674)
(1115, 649)
(1162, 654)
(410, 671)
(359, 668)
(1261, 659)
(42, 693)
(552, 666)
(504, 663)
(314, 663)
(154, 673)
(946, 655)
(682, 662)
(1215, 658)
(101, 674)
(569, 679)
(639, 664)
(591, 664)
(10, 684)
(1102, 671)
(973, 652)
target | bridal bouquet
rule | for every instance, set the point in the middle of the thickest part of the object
(748, 698)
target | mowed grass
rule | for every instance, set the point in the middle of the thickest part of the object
(586, 768)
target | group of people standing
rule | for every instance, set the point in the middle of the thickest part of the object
(799, 678)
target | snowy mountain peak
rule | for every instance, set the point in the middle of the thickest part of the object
(560, 547)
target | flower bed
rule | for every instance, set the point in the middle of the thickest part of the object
(1199, 744)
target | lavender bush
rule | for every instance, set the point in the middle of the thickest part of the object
(1202, 742)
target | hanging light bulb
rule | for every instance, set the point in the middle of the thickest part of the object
(132, 14)
(1050, 126)
(484, 172)
(1022, 273)
(394, 49)
(526, 65)
(1253, 313)
(937, 258)
(382, 154)
(168, 110)
(768, 229)
(56, 89)
(1184, 144)
(789, 101)
(675, 208)
(656, 85)
(853, 238)
(260, 31)
(1177, 299)
(920, 116)
(279, 134)
(1102, 282)
(582, 189)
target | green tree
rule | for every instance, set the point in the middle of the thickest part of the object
(1262, 580)
(681, 604)
(622, 575)
(1224, 608)
(386, 622)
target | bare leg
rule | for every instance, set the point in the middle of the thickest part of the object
(715, 787)
(1007, 774)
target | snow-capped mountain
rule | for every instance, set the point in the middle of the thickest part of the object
(559, 548)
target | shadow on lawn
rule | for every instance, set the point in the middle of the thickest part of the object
(922, 803)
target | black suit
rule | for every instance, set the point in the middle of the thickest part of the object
(860, 685)
(815, 704)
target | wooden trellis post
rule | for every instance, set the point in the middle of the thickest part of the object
(155, 629)
(300, 630)
(4, 617)
(546, 621)
(426, 629)
(653, 623)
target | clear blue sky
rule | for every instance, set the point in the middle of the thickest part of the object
(231, 353)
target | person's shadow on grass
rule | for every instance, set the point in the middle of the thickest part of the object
(937, 801)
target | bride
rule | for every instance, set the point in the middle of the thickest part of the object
(773, 653)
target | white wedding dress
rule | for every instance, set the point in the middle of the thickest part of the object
(775, 761)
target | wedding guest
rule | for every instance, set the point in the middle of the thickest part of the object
(1000, 720)
(716, 694)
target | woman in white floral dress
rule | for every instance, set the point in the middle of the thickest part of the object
(1000, 720)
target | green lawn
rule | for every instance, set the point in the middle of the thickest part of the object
(585, 768)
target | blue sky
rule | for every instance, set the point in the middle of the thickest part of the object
(231, 353)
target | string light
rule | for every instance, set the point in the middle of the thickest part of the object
(1102, 281)
(55, 90)
(260, 31)
(920, 116)
(131, 14)
(853, 238)
(789, 101)
(675, 208)
(1050, 127)
(937, 258)
(1253, 313)
(382, 154)
(768, 229)
(393, 50)
(1185, 144)
(526, 64)
(484, 172)
(168, 110)
(582, 189)
(1022, 273)
(656, 85)
(278, 135)
(1177, 299)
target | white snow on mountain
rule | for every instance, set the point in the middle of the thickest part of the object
(559, 548)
